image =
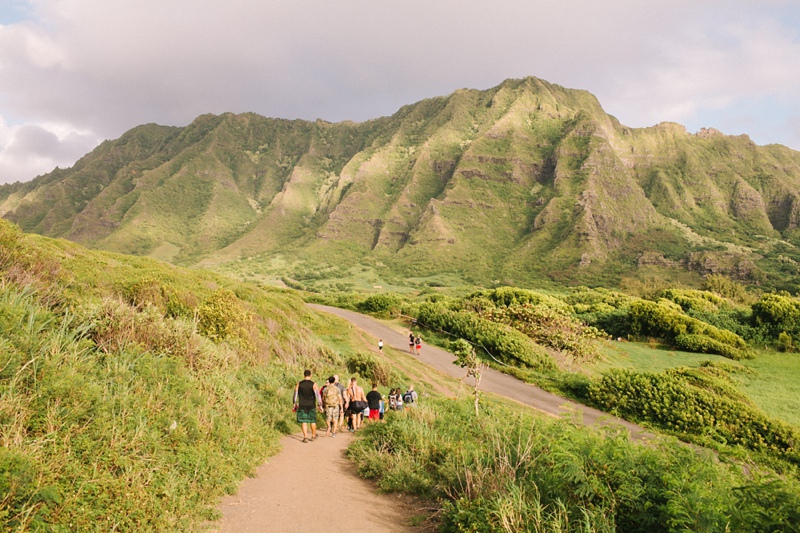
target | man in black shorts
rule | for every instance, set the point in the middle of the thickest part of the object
(306, 402)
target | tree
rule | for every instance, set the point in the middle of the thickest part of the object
(467, 358)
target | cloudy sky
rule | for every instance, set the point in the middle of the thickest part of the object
(76, 72)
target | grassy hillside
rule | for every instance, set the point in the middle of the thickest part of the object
(133, 393)
(522, 182)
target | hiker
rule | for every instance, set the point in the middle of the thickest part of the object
(357, 403)
(411, 342)
(398, 399)
(392, 400)
(374, 401)
(410, 397)
(342, 390)
(332, 400)
(380, 345)
(418, 344)
(306, 401)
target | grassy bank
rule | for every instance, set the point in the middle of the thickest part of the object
(511, 470)
(132, 393)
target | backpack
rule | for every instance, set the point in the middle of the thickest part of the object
(330, 396)
(408, 398)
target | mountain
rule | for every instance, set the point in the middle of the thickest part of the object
(521, 182)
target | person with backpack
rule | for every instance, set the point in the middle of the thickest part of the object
(332, 400)
(343, 391)
(418, 344)
(410, 397)
(306, 402)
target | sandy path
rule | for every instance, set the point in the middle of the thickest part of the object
(493, 380)
(308, 486)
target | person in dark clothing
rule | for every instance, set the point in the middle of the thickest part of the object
(306, 402)
(374, 402)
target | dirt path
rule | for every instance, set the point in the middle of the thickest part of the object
(305, 487)
(493, 380)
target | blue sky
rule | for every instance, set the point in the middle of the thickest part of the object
(76, 72)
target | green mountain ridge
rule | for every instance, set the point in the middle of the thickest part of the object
(524, 181)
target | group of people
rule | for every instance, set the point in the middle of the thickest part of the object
(414, 343)
(338, 402)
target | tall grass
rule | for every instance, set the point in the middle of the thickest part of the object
(513, 471)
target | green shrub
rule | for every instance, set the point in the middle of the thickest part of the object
(694, 300)
(785, 342)
(670, 402)
(371, 369)
(778, 313)
(383, 304)
(549, 327)
(518, 472)
(501, 341)
(508, 296)
(664, 319)
(700, 343)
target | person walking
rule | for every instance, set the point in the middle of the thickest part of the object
(357, 403)
(411, 342)
(306, 402)
(380, 345)
(410, 397)
(333, 402)
(418, 344)
(343, 390)
(374, 401)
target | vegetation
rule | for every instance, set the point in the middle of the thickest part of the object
(513, 471)
(517, 185)
(133, 394)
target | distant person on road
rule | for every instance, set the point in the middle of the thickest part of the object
(307, 401)
(380, 345)
(418, 344)
(333, 402)
(357, 404)
(411, 342)
(374, 401)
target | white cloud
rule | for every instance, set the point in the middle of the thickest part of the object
(104, 67)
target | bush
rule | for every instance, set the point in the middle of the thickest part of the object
(666, 320)
(699, 343)
(518, 472)
(551, 328)
(778, 313)
(670, 402)
(371, 369)
(693, 300)
(501, 341)
(384, 304)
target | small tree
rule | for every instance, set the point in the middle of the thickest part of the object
(467, 358)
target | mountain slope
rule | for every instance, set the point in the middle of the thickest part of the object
(522, 181)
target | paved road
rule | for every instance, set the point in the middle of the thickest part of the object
(492, 381)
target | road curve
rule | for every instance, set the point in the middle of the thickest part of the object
(492, 381)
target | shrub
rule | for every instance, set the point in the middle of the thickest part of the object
(222, 316)
(549, 327)
(693, 300)
(381, 304)
(670, 402)
(700, 343)
(508, 296)
(501, 341)
(785, 342)
(778, 313)
(666, 320)
(370, 368)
